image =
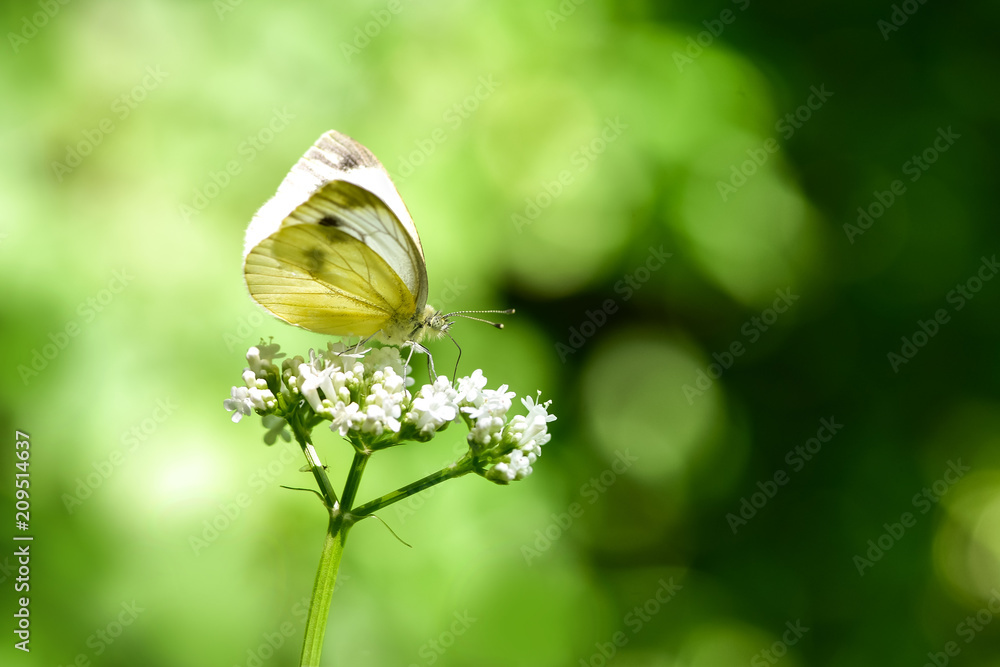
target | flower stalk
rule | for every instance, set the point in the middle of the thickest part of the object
(316, 466)
(354, 478)
(452, 471)
(322, 595)
(363, 396)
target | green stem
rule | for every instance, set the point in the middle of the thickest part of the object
(326, 578)
(457, 469)
(312, 459)
(354, 478)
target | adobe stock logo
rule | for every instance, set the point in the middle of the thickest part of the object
(968, 629)
(786, 126)
(915, 167)
(779, 649)
(259, 481)
(924, 500)
(122, 107)
(432, 650)
(37, 21)
(928, 329)
(898, 18)
(714, 28)
(566, 9)
(635, 620)
(372, 29)
(454, 116)
(584, 156)
(796, 458)
(591, 491)
(248, 150)
(629, 284)
(102, 638)
(130, 440)
(752, 329)
(59, 340)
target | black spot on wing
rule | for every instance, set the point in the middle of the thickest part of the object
(330, 221)
(348, 161)
(314, 259)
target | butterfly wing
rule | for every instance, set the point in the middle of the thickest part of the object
(372, 212)
(325, 268)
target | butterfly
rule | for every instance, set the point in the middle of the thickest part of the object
(336, 252)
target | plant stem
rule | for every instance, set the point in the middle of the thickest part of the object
(315, 465)
(326, 578)
(354, 478)
(341, 520)
(457, 469)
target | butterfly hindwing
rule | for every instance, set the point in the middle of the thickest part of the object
(325, 280)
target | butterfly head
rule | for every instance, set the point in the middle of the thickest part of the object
(430, 324)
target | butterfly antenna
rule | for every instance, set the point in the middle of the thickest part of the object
(465, 314)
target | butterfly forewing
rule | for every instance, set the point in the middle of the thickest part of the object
(326, 281)
(359, 213)
(375, 212)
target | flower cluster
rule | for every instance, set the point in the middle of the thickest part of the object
(364, 395)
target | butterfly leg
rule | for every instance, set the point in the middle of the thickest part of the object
(431, 373)
(406, 364)
(417, 347)
(363, 341)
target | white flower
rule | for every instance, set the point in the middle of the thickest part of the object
(394, 383)
(495, 403)
(470, 389)
(385, 403)
(321, 375)
(522, 440)
(486, 431)
(511, 468)
(530, 432)
(335, 385)
(309, 381)
(239, 404)
(385, 358)
(289, 375)
(257, 393)
(363, 393)
(434, 406)
(346, 417)
(487, 410)
(374, 421)
(262, 398)
(261, 358)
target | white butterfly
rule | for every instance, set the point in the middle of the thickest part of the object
(335, 251)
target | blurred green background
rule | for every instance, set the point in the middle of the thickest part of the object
(552, 154)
